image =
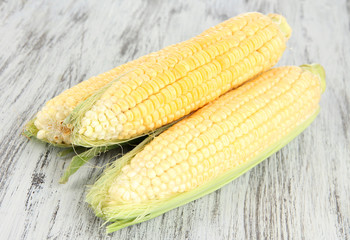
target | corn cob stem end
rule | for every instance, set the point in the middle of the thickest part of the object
(282, 23)
(319, 71)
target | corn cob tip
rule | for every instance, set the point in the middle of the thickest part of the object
(282, 23)
(319, 71)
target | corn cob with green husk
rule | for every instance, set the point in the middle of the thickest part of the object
(155, 90)
(209, 148)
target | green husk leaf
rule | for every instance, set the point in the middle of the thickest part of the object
(82, 158)
(30, 130)
(66, 152)
(126, 214)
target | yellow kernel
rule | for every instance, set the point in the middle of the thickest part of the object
(98, 128)
(184, 154)
(150, 193)
(140, 189)
(172, 173)
(162, 155)
(126, 196)
(156, 181)
(149, 164)
(212, 149)
(193, 160)
(129, 115)
(156, 160)
(122, 118)
(163, 186)
(219, 146)
(88, 132)
(149, 105)
(158, 170)
(200, 168)
(194, 171)
(42, 134)
(157, 148)
(185, 166)
(178, 157)
(156, 190)
(94, 124)
(165, 165)
(191, 147)
(165, 178)
(116, 109)
(151, 173)
(171, 184)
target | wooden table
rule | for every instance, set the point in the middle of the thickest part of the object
(302, 192)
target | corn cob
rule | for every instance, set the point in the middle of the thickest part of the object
(143, 95)
(209, 148)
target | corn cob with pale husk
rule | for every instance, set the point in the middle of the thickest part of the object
(155, 90)
(209, 148)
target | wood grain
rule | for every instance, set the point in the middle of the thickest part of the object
(302, 192)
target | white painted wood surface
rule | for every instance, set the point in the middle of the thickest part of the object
(302, 192)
